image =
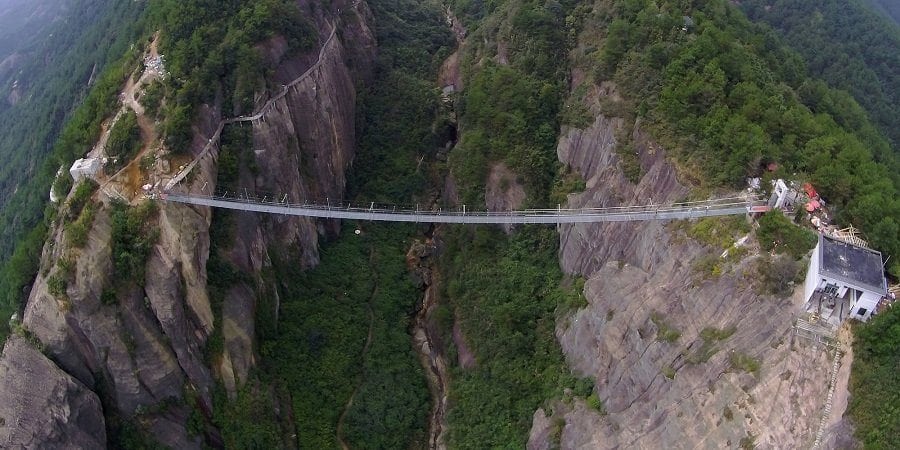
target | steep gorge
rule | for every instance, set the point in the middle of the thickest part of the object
(144, 355)
(677, 356)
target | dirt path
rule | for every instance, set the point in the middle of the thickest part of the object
(365, 351)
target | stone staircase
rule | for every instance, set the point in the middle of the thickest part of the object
(826, 413)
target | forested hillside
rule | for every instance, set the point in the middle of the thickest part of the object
(729, 97)
(848, 46)
(22, 22)
(51, 75)
(54, 77)
(891, 8)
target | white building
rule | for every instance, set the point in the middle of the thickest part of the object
(85, 168)
(844, 281)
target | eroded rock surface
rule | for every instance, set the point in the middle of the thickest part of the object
(41, 406)
(145, 347)
(662, 384)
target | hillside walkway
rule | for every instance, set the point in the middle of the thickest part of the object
(214, 140)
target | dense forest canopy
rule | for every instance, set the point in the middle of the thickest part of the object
(890, 8)
(848, 46)
(23, 22)
(52, 74)
(208, 48)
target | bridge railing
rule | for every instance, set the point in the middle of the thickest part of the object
(372, 207)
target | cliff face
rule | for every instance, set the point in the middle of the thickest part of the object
(42, 406)
(661, 389)
(144, 353)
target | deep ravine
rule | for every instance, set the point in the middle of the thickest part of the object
(424, 341)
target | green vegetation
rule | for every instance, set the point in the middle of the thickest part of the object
(849, 47)
(710, 336)
(594, 402)
(132, 236)
(567, 181)
(875, 381)
(124, 141)
(361, 291)
(718, 232)
(574, 298)
(342, 327)
(509, 116)
(504, 291)
(152, 98)
(80, 199)
(668, 372)
(248, 421)
(746, 363)
(726, 98)
(326, 313)
(664, 331)
(776, 232)
(53, 72)
(208, 47)
(512, 113)
(96, 38)
(777, 276)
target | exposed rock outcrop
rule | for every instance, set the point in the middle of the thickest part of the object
(144, 350)
(42, 406)
(303, 146)
(664, 385)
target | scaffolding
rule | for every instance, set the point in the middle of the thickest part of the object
(850, 235)
(815, 330)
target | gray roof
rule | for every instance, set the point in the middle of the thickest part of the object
(852, 265)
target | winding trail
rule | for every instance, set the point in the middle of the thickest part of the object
(214, 139)
(365, 352)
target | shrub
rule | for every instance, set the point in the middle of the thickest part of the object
(80, 198)
(567, 181)
(583, 387)
(744, 362)
(716, 334)
(132, 238)
(77, 231)
(777, 232)
(594, 402)
(777, 276)
(124, 141)
(727, 413)
(665, 332)
(56, 285)
(708, 348)
(152, 98)
(669, 372)
(718, 232)
(62, 184)
(875, 381)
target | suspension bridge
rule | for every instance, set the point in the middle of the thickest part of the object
(390, 213)
(387, 213)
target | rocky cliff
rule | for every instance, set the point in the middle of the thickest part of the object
(682, 358)
(42, 406)
(144, 352)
